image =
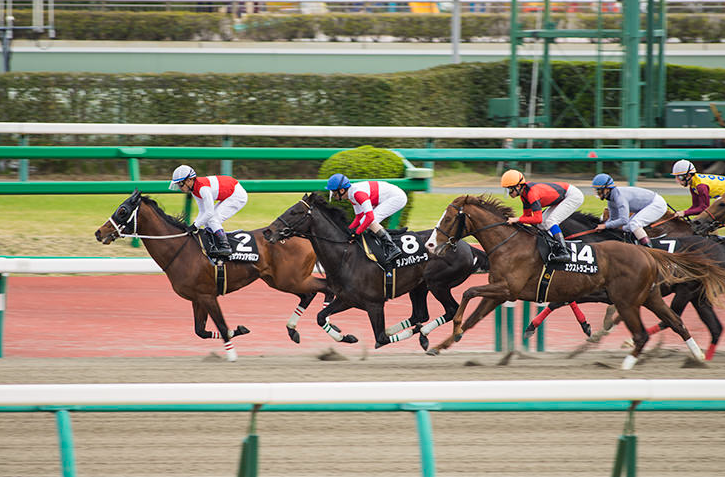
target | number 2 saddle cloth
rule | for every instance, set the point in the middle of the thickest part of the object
(244, 249)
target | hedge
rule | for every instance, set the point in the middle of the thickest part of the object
(449, 96)
(192, 26)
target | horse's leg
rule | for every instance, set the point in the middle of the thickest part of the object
(376, 314)
(212, 307)
(419, 313)
(655, 304)
(200, 316)
(336, 306)
(708, 316)
(495, 294)
(305, 300)
(450, 305)
(418, 300)
(539, 319)
(630, 316)
(586, 327)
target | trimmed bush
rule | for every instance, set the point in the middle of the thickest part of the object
(367, 162)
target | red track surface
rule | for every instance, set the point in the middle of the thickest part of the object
(140, 315)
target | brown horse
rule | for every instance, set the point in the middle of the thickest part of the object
(626, 272)
(285, 266)
(710, 219)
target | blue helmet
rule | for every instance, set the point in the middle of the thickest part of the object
(601, 181)
(337, 181)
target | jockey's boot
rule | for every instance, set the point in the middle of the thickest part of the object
(390, 250)
(223, 249)
(559, 251)
(645, 241)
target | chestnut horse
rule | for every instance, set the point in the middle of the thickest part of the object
(287, 266)
(626, 272)
(710, 219)
(581, 226)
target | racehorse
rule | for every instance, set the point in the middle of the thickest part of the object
(286, 267)
(358, 282)
(624, 271)
(581, 226)
(710, 219)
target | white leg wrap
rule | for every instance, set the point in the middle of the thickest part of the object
(292, 322)
(695, 349)
(428, 327)
(325, 303)
(230, 334)
(231, 352)
(403, 335)
(215, 334)
(396, 328)
(629, 362)
(335, 335)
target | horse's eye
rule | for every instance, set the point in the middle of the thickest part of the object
(122, 212)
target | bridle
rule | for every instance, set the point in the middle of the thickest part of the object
(133, 220)
(459, 223)
(715, 224)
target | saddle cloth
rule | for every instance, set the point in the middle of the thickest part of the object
(413, 248)
(244, 246)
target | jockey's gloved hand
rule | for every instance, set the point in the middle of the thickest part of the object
(193, 229)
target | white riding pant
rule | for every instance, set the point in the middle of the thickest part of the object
(648, 215)
(389, 206)
(558, 213)
(227, 207)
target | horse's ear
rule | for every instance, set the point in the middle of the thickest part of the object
(136, 196)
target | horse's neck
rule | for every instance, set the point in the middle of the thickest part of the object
(151, 224)
(329, 241)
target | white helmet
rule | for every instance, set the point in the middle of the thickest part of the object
(683, 166)
(181, 173)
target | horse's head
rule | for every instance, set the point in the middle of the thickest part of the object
(123, 220)
(710, 219)
(294, 221)
(451, 228)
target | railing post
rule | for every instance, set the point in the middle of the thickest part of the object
(3, 285)
(425, 434)
(226, 164)
(510, 309)
(497, 330)
(525, 320)
(248, 463)
(65, 438)
(540, 330)
(134, 174)
(23, 164)
(627, 447)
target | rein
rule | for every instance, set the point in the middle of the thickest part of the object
(579, 234)
(290, 230)
(452, 240)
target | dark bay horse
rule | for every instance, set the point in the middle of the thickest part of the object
(581, 225)
(358, 282)
(626, 272)
(286, 267)
(710, 219)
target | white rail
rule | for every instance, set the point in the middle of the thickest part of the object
(360, 131)
(78, 265)
(361, 392)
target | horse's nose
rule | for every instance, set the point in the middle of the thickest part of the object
(98, 235)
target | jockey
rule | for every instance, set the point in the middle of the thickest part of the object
(227, 190)
(646, 205)
(373, 202)
(703, 187)
(562, 200)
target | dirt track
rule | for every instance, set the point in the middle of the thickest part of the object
(357, 444)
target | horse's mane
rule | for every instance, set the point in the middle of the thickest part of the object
(590, 220)
(490, 203)
(175, 221)
(336, 214)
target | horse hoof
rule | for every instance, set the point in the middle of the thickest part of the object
(587, 329)
(529, 332)
(432, 352)
(242, 330)
(293, 334)
(349, 339)
(424, 342)
(378, 344)
(458, 337)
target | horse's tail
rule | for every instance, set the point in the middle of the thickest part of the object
(690, 266)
